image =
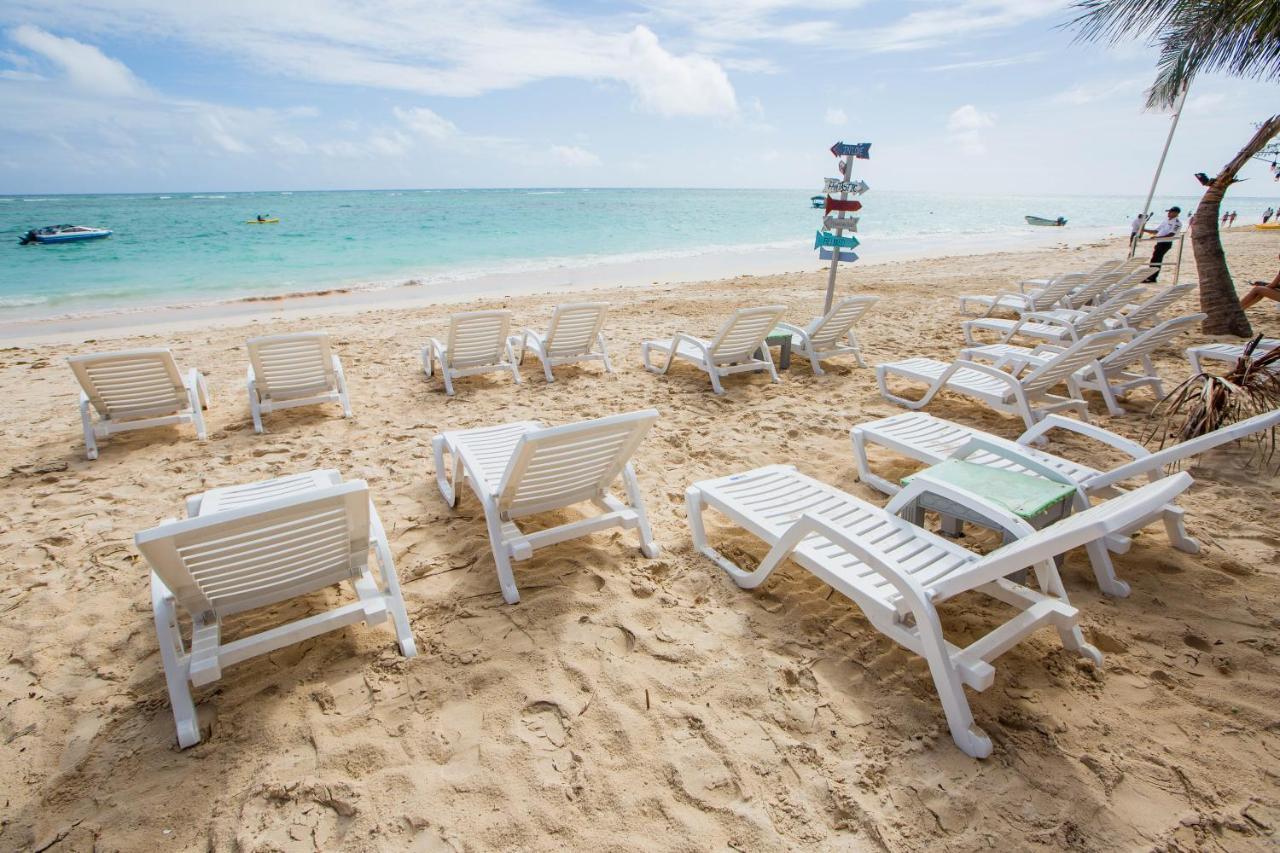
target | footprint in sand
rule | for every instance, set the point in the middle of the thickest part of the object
(698, 770)
(544, 726)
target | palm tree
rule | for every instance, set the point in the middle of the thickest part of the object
(1239, 37)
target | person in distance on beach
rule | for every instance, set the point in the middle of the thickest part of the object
(1164, 234)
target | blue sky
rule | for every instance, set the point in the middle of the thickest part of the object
(959, 96)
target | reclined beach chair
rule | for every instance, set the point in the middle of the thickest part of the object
(1053, 292)
(733, 350)
(831, 334)
(1119, 378)
(1022, 389)
(1118, 264)
(574, 335)
(1057, 326)
(1101, 288)
(1229, 353)
(286, 371)
(477, 343)
(136, 389)
(931, 440)
(524, 468)
(1147, 313)
(897, 573)
(252, 546)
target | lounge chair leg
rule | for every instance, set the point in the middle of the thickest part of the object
(1175, 527)
(1103, 570)
(90, 440)
(448, 381)
(391, 582)
(447, 482)
(857, 349)
(972, 740)
(715, 380)
(194, 399)
(171, 656)
(255, 407)
(604, 355)
(647, 546)
(865, 474)
(427, 366)
(546, 371)
(813, 361)
(501, 556)
(515, 368)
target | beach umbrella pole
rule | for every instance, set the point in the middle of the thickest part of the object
(1146, 205)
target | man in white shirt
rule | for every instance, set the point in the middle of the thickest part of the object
(1164, 234)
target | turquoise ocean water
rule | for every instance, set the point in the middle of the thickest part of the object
(183, 248)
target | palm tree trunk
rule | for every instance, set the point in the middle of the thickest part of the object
(1218, 296)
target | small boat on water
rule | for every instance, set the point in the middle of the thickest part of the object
(267, 220)
(63, 234)
(817, 201)
(1040, 220)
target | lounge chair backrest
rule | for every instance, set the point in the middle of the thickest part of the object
(477, 338)
(1175, 453)
(1094, 285)
(575, 328)
(264, 552)
(1115, 515)
(744, 333)
(143, 383)
(836, 323)
(560, 466)
(1150, 310)
(1055, 290)
(1145, 344)
(1079, 354)
(1096, 318)
(292, 366)
(1126, 279)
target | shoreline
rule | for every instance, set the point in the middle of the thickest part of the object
(607, 275)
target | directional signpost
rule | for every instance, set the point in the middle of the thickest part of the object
(836, 247)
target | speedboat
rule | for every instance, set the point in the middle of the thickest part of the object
(64, 234)
(1040, 220)
(817, 200)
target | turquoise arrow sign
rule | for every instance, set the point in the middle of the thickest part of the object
(829, 240)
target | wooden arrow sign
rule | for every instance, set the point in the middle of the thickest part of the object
(835, 185)
(828, 254)
(852, 205)
(860, 150)
(849, 223)
(824, 238)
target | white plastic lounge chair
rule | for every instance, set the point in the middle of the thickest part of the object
(1119, 264)
(1147, 313)
(1101, 288)
(136, 389)
(1018, 391)
(477, 343)
(831, 334)
(1119, 378)
(524, 468)
(574, 335)
(931, 440)
(733, 349)
(286, 371)
(897, 573)
(252, 546)
(1229, 353)
(1057, 326)
(1054, 291)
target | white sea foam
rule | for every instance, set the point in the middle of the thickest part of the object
(21, 301)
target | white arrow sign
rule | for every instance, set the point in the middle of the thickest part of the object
(831, 223)
(835, 185)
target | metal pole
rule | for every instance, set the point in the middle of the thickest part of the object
(847, 172)
(1146, 205)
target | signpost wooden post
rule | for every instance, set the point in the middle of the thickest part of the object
(830, 245)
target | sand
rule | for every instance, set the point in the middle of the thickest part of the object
(626, 703)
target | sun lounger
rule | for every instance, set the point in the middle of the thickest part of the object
(931, 440)
(1056, 326)
(574, 335)
(477, 343)
(1053, 292)
(523, 469)
(831, 334)
(897, 573)
(286, 371)
(1024, 391)
(1148, 313)
(738, 346)
(1229, 353)
(252, 546)
(136, 389)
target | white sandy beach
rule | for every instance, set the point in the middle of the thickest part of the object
(626, 703)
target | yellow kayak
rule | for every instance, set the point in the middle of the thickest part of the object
(261, 221)
(1270, 226)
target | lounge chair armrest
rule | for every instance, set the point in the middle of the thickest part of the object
(698, 342)
(1051, 349)
(1106, 436)
(792, 328)
(1045, 317)
(993, 372)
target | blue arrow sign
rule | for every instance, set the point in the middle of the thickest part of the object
(826, 255)
(825, 238)
(860, 150)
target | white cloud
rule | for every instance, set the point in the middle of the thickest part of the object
(670, 85)
(835, 116)
(1088, 93)
(572, 155)
(84, 66)
(956, 21)
(965, 126)
(427, 123)
(994, 62)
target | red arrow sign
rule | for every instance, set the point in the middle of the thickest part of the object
(836, 204)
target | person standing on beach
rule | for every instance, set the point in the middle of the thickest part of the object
(1225, 217)
(1267, 214)
(1232, 223)
(1164, 234)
